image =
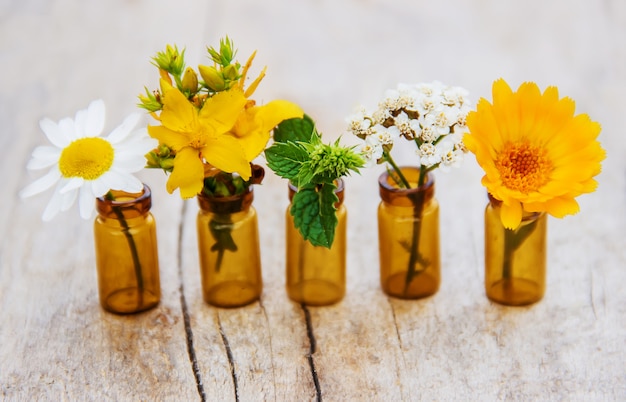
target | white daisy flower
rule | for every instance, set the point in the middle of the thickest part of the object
(85, 165)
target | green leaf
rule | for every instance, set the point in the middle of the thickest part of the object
(295, 130)
(313, 210)
(285, 159)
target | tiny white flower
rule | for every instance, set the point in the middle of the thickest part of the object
(451, 153)
(359, 124)
(85, 165)
(429, 155)
(442, 118)
(371, 152)
(429, 134)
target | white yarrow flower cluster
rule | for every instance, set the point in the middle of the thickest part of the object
(84, 165)
(432, 115)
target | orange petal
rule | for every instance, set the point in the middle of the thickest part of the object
(511, 214)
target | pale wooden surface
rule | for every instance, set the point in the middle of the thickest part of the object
(57, 344)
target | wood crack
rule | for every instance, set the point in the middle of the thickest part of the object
(269, 334)
(183, 303)
(312, 348)
(395, 324)
(231, 360)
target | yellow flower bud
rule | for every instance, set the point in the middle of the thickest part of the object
(190, 81)
(231, 72)
(212, 78)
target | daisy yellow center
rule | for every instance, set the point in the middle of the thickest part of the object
(523, 167)
(88, 158)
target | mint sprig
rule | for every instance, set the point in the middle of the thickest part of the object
(299, 156)
(313, 211)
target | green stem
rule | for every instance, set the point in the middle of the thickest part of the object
(222, 233)
(513, 239)
(414, 256)
(396, 169)
(133, 251)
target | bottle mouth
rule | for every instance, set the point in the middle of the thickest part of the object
(139, 203)
(226, 205)
(391, 193)
(339, 191)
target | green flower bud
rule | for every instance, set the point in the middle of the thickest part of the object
(190, 81)
(171, 60)
(150, 101)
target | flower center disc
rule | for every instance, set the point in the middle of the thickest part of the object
(88, 158)
(523, 167)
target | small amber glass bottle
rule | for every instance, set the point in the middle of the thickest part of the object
(515, 260)
(316, 275)
(230, 256)
(126, 252)
(408, 236)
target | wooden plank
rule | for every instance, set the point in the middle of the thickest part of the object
(62, 344)
(57, 344)
(257, 351)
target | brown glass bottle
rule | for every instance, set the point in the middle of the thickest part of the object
(230, 256)
(408, 236)
(126, 252)
(515, 260)
(316, 275)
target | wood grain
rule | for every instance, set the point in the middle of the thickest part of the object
(56, 343)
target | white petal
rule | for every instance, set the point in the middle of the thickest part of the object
(101, 186)
(54, 133)
(68, 199)
(123, 130)
(71, 184)
(94, 123)
(68, 128)
(139, 146)
(53, 207)
(129, 163)
(120, 180)
(43, 157)
(42, 184)
(81, 122)
(86, 202)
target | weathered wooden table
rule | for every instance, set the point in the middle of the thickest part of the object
(56, 343)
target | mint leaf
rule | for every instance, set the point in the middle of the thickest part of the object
(286, 159)
(295, 130)
(313, 210)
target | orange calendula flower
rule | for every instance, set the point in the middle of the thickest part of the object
(537, 155)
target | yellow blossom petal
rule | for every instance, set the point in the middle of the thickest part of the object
(254, 125)
(220, 112)
(226, 154)
(188, 174)
(178, 114)
(172, 139)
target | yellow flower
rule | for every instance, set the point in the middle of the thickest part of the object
(228, 132)
(197, 135)
(537, 155)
